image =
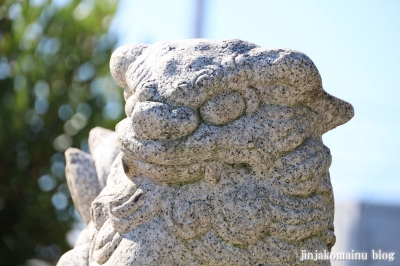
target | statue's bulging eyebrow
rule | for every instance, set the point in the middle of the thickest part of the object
(199, 71)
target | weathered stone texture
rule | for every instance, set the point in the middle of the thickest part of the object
(103, 148)
(222, 160)
(82, 181)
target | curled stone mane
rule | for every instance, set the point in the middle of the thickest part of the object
(221, 158)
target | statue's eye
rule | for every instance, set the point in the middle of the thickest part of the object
(223, 108)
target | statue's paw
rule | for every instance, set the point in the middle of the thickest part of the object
(107, 240)
(135, 205)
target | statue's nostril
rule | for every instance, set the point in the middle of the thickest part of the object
(223, 108)
(160, 121)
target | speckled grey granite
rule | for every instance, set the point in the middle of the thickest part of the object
(82, 181)
(222, 160)
(79, 256)
(103, 148)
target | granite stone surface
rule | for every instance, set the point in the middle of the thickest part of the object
(221, 159)
(103, 148)
(82, 181)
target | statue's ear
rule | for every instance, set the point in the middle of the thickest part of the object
(122, 58)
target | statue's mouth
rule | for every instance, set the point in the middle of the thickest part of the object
(184, 160)
(273, 131)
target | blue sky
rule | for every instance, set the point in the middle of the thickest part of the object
(355, 45)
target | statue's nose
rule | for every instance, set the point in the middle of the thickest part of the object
(160, 121)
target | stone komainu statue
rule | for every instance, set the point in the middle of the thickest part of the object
(220, 160)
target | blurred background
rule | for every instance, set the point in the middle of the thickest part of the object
(55, 86)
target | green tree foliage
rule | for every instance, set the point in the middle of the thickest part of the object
(54, 87)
